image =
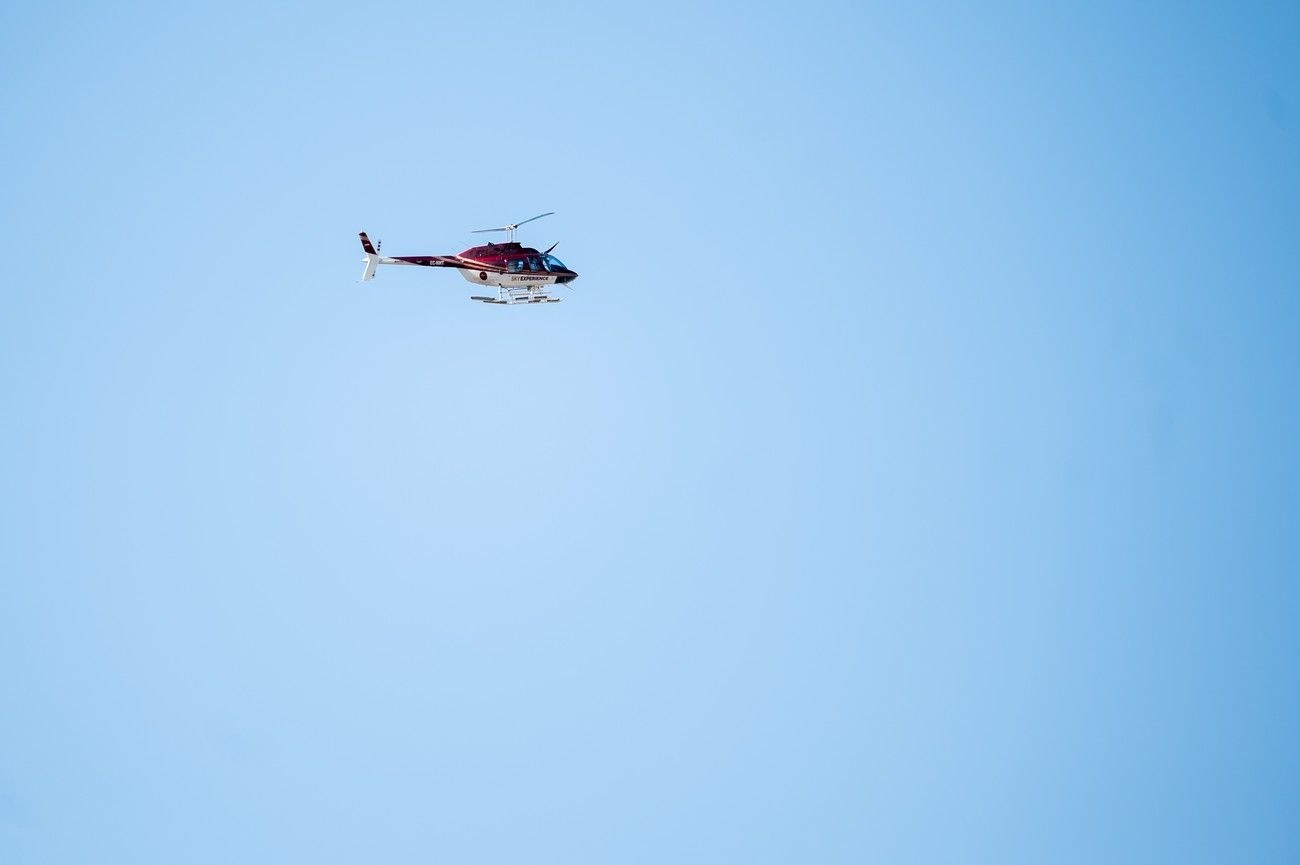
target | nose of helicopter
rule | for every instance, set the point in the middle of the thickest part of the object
(566, 277)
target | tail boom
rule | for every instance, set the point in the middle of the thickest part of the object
(373, 259)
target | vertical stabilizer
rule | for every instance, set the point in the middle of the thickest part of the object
(371, 259)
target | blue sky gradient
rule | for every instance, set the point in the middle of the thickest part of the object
(910, 477)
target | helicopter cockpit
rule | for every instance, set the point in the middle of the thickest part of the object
(536, 264)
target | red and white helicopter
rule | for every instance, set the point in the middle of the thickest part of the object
(521, 274)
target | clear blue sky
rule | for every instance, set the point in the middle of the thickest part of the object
(912, 476)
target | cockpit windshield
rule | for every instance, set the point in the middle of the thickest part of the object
(553, 263)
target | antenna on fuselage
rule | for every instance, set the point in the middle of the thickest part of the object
(512, 227)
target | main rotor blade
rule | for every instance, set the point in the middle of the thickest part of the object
(512, 226)
(538, 216)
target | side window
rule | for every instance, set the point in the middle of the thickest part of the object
(515, 264)
(534, 264)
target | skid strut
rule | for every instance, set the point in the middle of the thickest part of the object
(512, 296)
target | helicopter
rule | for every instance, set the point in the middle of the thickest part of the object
(520, 274)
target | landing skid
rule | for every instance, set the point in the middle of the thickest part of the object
(512, 296)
